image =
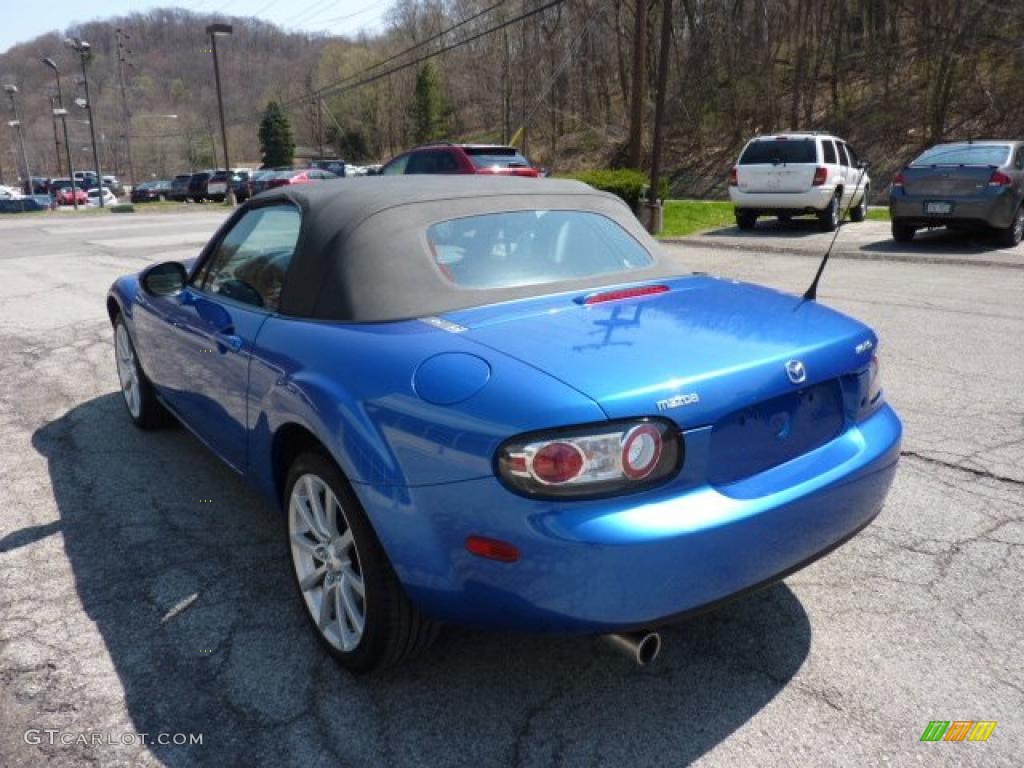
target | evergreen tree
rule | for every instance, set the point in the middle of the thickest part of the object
(428, 106)
(276, 141)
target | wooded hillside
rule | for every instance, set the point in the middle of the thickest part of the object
(891, 76)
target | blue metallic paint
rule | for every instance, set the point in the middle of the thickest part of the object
(424, 472)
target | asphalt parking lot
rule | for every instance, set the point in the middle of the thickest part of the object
(130, 605)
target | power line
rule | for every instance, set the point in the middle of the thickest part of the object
(441, 50)
(323, 89)
(347, 16)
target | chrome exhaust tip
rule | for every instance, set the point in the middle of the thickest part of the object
(642, 647)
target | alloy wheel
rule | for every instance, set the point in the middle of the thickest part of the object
(127, 370)
(327, 562)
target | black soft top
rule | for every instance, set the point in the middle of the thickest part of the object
(363, 255)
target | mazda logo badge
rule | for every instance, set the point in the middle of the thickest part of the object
(796, 371)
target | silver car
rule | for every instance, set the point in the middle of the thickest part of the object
(962, 185)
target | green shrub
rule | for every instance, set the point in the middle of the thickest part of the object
(627, 183)
(122, 208)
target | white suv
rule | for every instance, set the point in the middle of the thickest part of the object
(791, 174)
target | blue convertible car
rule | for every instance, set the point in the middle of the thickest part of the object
(493, 402)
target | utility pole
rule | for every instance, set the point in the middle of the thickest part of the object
(12, 92)
(654, 203)
(83, 48)
(636, 103)
(215, 31)
(122, 58)
(63, 114)
(56, 139)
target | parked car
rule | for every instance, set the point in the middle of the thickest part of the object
(179, 187)
(26, 203)
(8, 193)
(40, 186)
(217, 186)
(297, 176)
(197, 186)
(460, 159)
(240, 185)
(93, 197)
(150, 191)
(258, 180)
(975, 184)
(114, 185)
(333, 165)
(793, 174)
(418, 371)
(64, 195)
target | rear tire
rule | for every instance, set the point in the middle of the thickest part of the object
(860, 213)
(902, 233)
(1012, 235)
(828, 220)
(746, 219)
(335, 556)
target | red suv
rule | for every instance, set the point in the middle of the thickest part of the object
(461, 158)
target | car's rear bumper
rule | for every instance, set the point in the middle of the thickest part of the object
(632, 561)
(814, 199)
(991, 208)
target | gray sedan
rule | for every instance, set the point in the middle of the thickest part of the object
(974, 184)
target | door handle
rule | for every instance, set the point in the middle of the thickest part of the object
(226, 341)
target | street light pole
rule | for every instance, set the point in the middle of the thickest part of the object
(214, 31)
(12, 91)
(63, 113)
(56, 138)
(82, 48)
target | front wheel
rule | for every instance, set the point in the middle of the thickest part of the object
(352, 596)
(139, 397)
(1012, 235)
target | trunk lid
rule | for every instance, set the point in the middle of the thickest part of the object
(700, 352)
(775, 178)
(946, 181)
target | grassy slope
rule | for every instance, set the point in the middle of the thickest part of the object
(687, 217)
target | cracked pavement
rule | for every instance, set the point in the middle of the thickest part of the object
(127, 605)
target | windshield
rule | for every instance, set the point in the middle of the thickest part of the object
(771, 151)
(965, 154)
(503, 250)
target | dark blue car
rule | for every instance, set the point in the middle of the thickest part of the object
(491, 401)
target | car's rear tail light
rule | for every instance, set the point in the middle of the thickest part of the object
(733, 177)
(557, 463)
(602, 459)
(820, 177)
(641, 450)
(897, 180)
(999, 179)
(624, 293)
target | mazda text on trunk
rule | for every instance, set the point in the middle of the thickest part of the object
(493, 402)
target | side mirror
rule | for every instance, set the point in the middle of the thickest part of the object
(863, 165)
(164, 279)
